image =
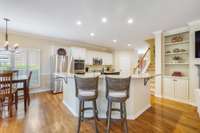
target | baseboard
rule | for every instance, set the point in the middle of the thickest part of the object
(141, 112)
(39, 90)
(159, 96)
(70, 109)
(114, 115)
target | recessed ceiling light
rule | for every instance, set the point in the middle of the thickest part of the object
(129, 44)
(79, 23)
(104, 20)
(130, 21)
(91, 34)
(114, 41)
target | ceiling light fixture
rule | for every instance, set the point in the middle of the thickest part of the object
(6, 44)
(130, 21)
(114, 41)
(79, 23)
(91, 34)
(104, 20)
(129, 44)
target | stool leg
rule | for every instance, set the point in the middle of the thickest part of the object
(107, 113)
(109, 116)
(79, 117)
(95, 116)
(95, 107)
(121, 113)
(82, 110)
(125, 120)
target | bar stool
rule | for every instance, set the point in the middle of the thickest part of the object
(117, 90)
(87, 91)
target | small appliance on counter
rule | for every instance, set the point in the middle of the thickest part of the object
(97, 61)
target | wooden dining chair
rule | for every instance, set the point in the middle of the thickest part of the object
(7, 91)
(21, 89)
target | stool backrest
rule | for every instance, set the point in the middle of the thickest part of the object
(86, 84)
(6, 83)
(118, 85)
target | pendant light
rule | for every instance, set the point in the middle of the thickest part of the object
(6, 45)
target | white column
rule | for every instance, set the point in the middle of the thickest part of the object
(194, 92)
(158, 63)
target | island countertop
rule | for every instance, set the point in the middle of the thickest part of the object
(133, 76)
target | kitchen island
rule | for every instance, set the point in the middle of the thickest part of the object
(138, 102)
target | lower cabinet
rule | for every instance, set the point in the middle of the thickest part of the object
(176, 88)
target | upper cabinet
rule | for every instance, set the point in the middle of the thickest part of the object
(105, 56)
(78, 53)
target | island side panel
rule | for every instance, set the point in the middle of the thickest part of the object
(69, 98)
(140, 97)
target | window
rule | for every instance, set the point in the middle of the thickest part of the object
(24, 60)
(5, 60)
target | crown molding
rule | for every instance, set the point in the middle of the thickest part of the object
(194, 23)
(60, 40)
(157, 32)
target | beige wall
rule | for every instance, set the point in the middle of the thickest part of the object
(45, 45)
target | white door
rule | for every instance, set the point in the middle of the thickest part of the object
(181, 89)
(124, 64)
(168, 88)
(107, 59)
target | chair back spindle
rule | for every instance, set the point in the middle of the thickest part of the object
(6, 83)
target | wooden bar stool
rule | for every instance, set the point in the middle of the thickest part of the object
(87, 91)
(117, 90)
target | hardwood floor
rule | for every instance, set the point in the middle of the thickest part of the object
(47, 114)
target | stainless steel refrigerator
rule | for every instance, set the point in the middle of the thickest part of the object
(59, 64)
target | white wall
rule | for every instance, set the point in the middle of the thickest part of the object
(158, 63)
(125, 60)
(45, 45)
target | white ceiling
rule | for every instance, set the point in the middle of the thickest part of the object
(57, 18)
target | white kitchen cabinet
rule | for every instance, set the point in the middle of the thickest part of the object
(168, 88)
(78, 53)
(181, 89)
(176, 88)
(106, 57)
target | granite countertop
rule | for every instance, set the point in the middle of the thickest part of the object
(133, 76)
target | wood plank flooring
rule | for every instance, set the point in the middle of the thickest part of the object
(47, 114)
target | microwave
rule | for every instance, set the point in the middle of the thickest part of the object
(79, 66)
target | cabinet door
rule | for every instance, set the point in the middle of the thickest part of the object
(181, 89)
(168, 88)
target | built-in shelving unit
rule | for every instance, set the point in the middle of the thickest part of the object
(176, 65)
(176, 54)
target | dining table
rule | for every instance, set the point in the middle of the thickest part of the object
(22, 79)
